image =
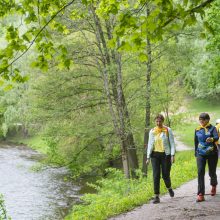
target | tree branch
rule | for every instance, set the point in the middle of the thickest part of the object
(37, 35)
(193, 10)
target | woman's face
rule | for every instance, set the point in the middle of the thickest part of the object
(159, 122)
(203, 122)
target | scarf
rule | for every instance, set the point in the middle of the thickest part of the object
(158, 130)
(205, 127)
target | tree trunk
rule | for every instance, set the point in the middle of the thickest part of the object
(117, 129)
(121, 120)
(148, 105)
(124, 156)
(132, 150)
(146, 137)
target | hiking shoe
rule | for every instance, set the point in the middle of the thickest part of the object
(200, 198)
(213, 191)
(156, 200)
(171, 192)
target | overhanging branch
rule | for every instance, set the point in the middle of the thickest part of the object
(193, 10)
(37, 35)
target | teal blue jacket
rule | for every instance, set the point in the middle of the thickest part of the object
(168, 142)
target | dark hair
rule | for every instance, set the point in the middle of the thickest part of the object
(204, 116)
(159, 116)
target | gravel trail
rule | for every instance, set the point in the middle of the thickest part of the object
(182, 207)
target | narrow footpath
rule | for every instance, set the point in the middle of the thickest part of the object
(180, 146)
(182, 207)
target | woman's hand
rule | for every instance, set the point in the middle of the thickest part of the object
(209, 139)
(172, 159)
(148, 161)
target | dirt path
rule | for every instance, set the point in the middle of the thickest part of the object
(182, 207)
(180, 146)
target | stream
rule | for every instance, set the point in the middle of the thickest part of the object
(47, 194)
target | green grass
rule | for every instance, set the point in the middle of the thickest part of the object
(186, 134)
(116, 194)
(185, 123)
(200, 105)
(35, 142)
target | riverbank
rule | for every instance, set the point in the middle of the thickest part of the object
(33, 142)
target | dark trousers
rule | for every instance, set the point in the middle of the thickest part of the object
(161, 162)
(212, 164)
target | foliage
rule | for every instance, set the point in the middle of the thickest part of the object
(75, 132)
(204, 74)
(140, 20)
(117, 194)
(134, 25)
(3, 212)
(13, 114)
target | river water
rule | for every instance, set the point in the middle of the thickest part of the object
(31, 195)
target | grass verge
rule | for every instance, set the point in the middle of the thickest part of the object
(35, 142)
(116, 194)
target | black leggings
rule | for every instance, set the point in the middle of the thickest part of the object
(161, 162)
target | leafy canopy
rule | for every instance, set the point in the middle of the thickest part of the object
(136, 21)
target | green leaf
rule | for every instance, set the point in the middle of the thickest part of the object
(1, 82)
(143, 57)
(112, 43)
(27, 37)
(8, 87)
(125, 46)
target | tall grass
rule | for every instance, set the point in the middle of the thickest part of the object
(116, 194)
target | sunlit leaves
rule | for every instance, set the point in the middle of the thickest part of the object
(6, 6)
(135, 22)
(17, 77)
(77, 14)
(125, 46)
(149, 19)
(36, 16)
(41, 62)
(64, 60)
(208, 27)
(27, 37)
(143, 57)
(31, 17)
(8, 87)
(12, 33)
(107, 7)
